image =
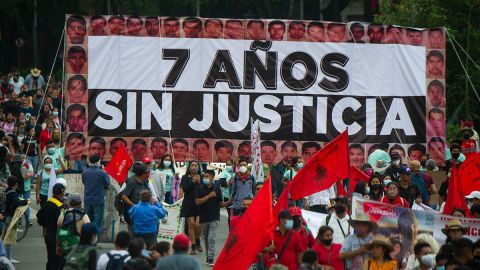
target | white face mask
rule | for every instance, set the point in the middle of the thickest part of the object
(167, 163)
(396, 162)
(242, 169)
(48, 166)
(428, 260)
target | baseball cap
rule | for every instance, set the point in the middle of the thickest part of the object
(58, 189)
(405, 169)
(75, 199)
(147, 160)
(295, 211)
(61, 181)
(473, 195)
(181, 241)
(89, 229)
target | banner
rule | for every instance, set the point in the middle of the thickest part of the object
(174, 224)
(10, 237)
(403, 225)
(173, 85)
(257, 167)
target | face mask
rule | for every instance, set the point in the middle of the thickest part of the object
(300, 165)
(455, 155)
(297, 222)
(386, 182)
(367, 189)
(396, 162)
(327, 242)
(206, 181)
(339, 209)
(55, 114)
(392, 194)
(49, 166)
(441, 267)
(243, 210)
(428, 260)
(369, 171)
(466, 136)
(376, 187)
(469, 204)
(194, 170)
(242, 169)
(289, 224)
(167, 163)
(229, 168)
(51, 150)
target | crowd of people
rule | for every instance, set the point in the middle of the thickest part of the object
(33, 149)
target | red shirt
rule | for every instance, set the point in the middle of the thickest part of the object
(399, 201)
(44, 137)
(294, 247)
(329, 256)
(307, 238)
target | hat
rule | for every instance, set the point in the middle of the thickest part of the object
(295, 211)
(61, 181)
(363, 218)
(74, 199)
(181, 241)
(467, 129)
(406, 169)
(454, 224)
(379, 160)
(58, 189)
(35, 72)
(89, 229)
(147, 160)
(380, 240)
(473, 195)
(94, 159)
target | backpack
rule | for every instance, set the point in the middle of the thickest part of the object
(3, 199)
(116, 261)
(118, 203)
(67, 233)
(78, 258)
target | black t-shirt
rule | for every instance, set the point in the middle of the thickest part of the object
(410, 193)
(210, 210)
(133, 189)
(31, 145)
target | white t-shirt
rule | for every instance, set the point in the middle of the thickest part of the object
(103, 260)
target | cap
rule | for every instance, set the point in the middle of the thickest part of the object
(89, 229)
(405, 169)
(58, 189)
(473, 195)
(94, 159)
(35, 72)
(147, 160)
(61, 181)
(75, 199)
(295, 211)
(181, 241)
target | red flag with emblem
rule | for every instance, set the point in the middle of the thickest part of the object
(356, 175)
(455, 198)
(469, 174)
(246, 239)
(327, 166)
(282, 203)
(119, 165)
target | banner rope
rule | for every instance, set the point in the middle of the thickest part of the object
(374, 85)
(463, 50)
(48, 82)
(463, 67)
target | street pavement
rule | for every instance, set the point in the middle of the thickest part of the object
(32, 253)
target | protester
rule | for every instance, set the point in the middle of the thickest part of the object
(392, 197)
(164, 248)
(190, 182)
(380, 248)
(377, 189)
(84, 255)
(328, 252)
(180, 259)
(309, 260)
(145, 216)
(48, 215)
(464, 253)
(95, 181)
(116, 258)
(408, 190)
(424, 255)
(131, 193)
(155, 183)
(243, 185)
(166, 168)
(395, 169)
(298, 225)
(454, 230)
(209, 200)
(354, 251)
(339, 221)
(43, 181)
(423, 181)
(234, 219)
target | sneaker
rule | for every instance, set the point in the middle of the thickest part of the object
(210, 263)
(14, 261)
(193, 250)
(30, 224)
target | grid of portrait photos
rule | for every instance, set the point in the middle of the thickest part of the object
(78, 28)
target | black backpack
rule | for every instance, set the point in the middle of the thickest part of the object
(116, 261)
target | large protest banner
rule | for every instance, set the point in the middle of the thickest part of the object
(173, 225)
(403, 225)
(189, 86)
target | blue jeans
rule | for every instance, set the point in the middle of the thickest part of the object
(26, 195)
(95, 213)
(34, 162)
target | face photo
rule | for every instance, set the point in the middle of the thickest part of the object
(436, 149)
(115, 144)
(357, 32)
(116, 25)
(268, 152)
(436, 122)
(152, 26)
(436, 94)
(201, 150)
(234, 29)
(74, 146)
(192, 27)
(316, 32)
(97, 146)
(416, 151)
(158, 148)
(213, 28)
(296, 31)
(309, 149)
(276, 30)
(76, 118)
(414, 37)
(134, 26)
(98, 26)
(139, 149)
(436, 40)
(76, 60)
(288, 151)
(171, 27)
(375, 33)
(223, 150)
(435, 65)
(180, 150)
(255, 30)
(77, 89)
(76, 30)
(356, 153)
(394, 35)
(336, 32)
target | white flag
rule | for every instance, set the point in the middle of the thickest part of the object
(51, 182)
(257, 168)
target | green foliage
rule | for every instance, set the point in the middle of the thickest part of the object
(416, 13)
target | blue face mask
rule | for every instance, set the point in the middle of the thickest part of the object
(386, 182)
(367, 189)
(206, 181)
(300, 165)
(441, 267)
(289, 224)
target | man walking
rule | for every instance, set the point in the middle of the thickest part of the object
(96, 181)
(51, 212)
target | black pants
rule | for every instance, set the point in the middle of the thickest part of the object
(149, 238)
(54, 261)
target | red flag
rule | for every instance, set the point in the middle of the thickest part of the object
(119, 165)
(246, 239)
(356, 175)
(469, 174)
(323, 169)
(341, 190)
(282, 203)
(455, 199)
